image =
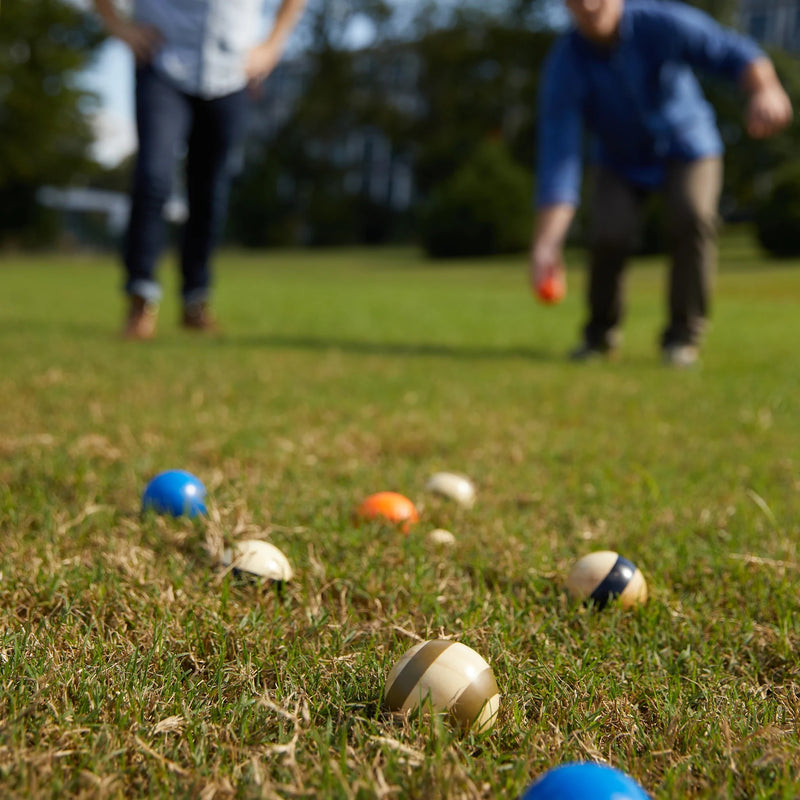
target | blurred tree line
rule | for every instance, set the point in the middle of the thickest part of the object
(45, 133)
(445, 90)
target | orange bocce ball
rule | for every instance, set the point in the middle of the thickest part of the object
(551, 289)
(390, 506)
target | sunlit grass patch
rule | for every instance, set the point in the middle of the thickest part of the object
(133, 664)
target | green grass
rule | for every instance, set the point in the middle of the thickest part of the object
(132, 665)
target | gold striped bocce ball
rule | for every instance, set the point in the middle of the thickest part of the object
(451, 677)
(604, 577)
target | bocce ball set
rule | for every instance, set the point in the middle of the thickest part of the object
(440, 675)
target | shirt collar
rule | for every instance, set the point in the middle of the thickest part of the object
(589, 48)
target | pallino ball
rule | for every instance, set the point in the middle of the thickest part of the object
(451, 677)
(441, 537)
(258, 558)
(390, 506)
(175, 492)
(585, 781)
(605, 576)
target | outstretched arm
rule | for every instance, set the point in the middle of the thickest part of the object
(709, 46)
(263, 58)
(559, 163)
(547, 247)
(143, 40)
(769, 109)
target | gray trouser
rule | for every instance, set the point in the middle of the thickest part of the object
(691, 192)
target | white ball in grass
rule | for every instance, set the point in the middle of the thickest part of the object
(259, 558)
(454, 486)
(439, 536)
(451, 677)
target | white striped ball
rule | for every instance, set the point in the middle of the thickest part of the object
(451, 677)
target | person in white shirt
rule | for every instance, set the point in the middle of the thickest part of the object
(195, 61)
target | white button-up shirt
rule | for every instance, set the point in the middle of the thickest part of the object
(205, 41)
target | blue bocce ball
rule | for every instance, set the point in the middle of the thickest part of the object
(175, 492)
(585, 781)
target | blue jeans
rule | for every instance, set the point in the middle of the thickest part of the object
(210, 132)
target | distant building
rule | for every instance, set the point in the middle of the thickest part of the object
(775, 23)
(78, 205)
(112, 206)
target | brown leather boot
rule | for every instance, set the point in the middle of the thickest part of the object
(198, 317)
(141, 320)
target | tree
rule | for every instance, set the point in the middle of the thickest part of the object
(44, 132)
(294, 185)
(483, 209)
(479, 78)
(777, 215)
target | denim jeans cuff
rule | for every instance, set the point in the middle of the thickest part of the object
(195, 296)
(148, 290)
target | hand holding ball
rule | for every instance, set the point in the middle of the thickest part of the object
(552, 288)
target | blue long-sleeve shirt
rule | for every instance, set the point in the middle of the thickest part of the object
(639, 99)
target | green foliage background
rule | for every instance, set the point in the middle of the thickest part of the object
(44, 131)
(455, 76)
(483, 209)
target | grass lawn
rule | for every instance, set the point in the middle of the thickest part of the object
(132, 665)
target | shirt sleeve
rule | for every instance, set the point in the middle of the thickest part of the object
(708, 46)
(559, 157)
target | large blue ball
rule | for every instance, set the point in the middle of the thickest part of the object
(175, 492)
(585, 781)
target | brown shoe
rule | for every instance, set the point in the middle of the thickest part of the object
(198, 317)
(142, 318)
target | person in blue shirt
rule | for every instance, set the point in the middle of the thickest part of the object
(625, 73)
(195, 62)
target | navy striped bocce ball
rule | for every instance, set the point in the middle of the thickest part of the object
(449, 675)
(602, 577)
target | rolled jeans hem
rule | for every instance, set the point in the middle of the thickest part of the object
(149, 291)
(194, 296)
